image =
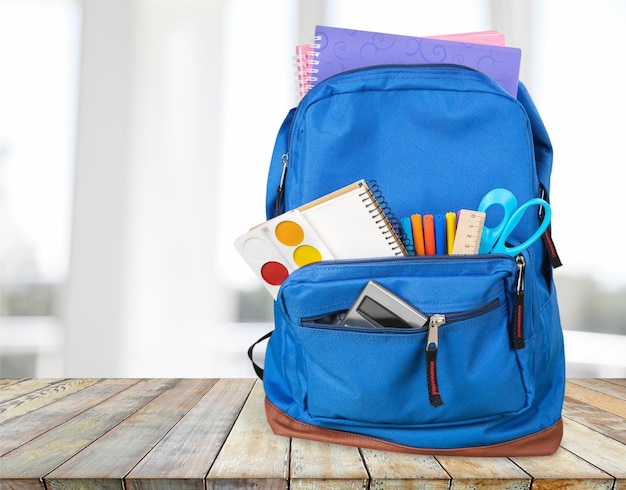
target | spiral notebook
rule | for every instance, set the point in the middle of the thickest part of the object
(304, 68)
(355, 222)
(350, 223)
(336, 50)
(305, 58)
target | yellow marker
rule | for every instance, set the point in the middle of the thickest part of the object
(450, 231)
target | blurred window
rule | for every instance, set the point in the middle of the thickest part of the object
(39, 59)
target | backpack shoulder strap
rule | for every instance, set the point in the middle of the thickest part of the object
(541, 140)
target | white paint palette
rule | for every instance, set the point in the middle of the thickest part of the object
(279, 246)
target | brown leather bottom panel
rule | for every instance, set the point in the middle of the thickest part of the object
(541, 443)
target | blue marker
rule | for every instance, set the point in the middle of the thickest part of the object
(407, 229)
(440, 234)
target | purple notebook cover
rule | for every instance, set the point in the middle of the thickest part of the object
(340, 50)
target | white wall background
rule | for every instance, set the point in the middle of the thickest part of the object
(150, 135)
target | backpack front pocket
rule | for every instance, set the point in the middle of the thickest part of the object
(461, 366)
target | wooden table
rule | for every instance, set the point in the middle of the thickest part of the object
(211, 433)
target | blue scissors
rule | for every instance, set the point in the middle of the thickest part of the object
(494, 239)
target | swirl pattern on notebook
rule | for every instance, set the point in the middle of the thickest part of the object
(336, 50)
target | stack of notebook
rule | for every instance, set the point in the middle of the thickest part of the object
(335, 50)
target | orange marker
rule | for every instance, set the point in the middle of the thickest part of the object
(418, 234)
(430, 245)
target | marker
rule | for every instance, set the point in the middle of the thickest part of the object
(450, 231)
(418, 234)
(440, 234)
(407, 228)
(430, 246)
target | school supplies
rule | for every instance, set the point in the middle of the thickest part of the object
(407, 230)
(469, 231)
(276, 248)
(491, 38)
(305, 59)
(450, 232)
(349, 223)
(485, 376)
(494, 239)
(355, 222)
(445, 237)
(430, 238)
(440, 234)
(418, 234)
(337, 50)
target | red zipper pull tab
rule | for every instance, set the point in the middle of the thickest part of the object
(432, 346)
(548, 243)
(555, 260)
(518, 316)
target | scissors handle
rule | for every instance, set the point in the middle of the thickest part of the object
(508, 201)
(501, 247)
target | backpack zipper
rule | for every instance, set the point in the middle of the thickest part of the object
(548, 242)
(432, 347)
(449, 318)
(403, 66)
(518, 319)
(397, 259)
(281, 184)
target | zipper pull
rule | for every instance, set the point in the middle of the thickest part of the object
(281, 184)
(432, 346)
(518, 316)
(555, 260)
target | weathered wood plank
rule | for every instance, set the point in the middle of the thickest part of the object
(109, 459)
(398, 471)
(38, 457)
(24, 386)
(603, 422)
(564, 469)
(252, 456)
(318, 465)
(603, 452)
(617, 381)
(185, 455)
(32, 401)
(7, 381)
(19, 484)
(128, 428)
(484, 473)
(607, 403)
(22, 429)
(602, 386)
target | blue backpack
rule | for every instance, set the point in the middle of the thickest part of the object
(491, 382)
